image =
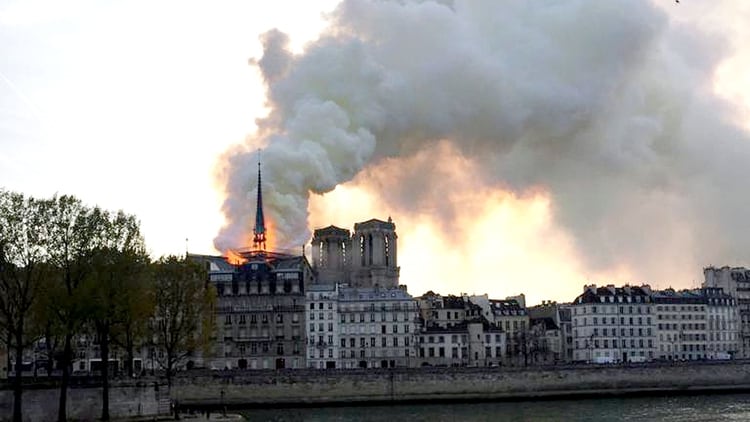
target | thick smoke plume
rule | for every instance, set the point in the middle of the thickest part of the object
(604, 105)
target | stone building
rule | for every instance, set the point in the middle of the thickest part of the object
(377, 327)
(550, 332)
(614, 324)
(636, 324)
(260, 314)
(323, 326)
(366, 258)
(455, 332)
(511, 316)
(736, 282)
(696, 324)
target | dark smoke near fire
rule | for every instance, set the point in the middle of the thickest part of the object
(604, 105)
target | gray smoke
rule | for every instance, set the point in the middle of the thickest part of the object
(604, 104)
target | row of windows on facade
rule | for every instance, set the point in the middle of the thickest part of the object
(264, 349)
(384, 341)
(699, 337)
(612, 321)
(583, 310)
(435, 314)
(687, 326)
(383, 328)
(455, 338)
(361, 354)
(263, 332)
(383, 307)
(624, 299)
(721, 347)
(245, 288)
(264, 319)
(516, 325)
(439, 352)
(606, 343)
(613, 332)
(383, 317)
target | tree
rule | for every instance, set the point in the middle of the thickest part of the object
(183, 317)
(74, 232)
(118, 262)
(22, 270)
(132, 330)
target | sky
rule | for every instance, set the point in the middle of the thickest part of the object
(140, 106)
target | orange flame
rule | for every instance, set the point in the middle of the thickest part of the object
(235, 258)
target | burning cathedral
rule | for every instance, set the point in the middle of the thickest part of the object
(262, 316)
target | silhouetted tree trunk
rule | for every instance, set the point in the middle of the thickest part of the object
(17, 381)
(62, 409)
(104, 346)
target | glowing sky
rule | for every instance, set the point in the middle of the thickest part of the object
(129, 105)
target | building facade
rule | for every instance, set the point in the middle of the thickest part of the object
(378, 327)
(260, 312)
(455, 332)
(697, 324)
(366, 258)
(323, 326)
(736, 282)
(614, 324)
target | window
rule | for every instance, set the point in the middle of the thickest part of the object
(227, 320)
(279, 318)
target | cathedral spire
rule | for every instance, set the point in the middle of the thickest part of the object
(259, 231)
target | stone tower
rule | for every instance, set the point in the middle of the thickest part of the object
(373, 254)
(330, 249)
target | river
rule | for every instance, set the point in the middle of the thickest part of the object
(703, 408)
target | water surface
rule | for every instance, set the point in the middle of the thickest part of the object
(703, 408)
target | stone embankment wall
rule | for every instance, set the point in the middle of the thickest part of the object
(127, 398)
(245, 388)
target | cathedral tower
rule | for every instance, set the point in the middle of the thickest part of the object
(373, 255)
(330, 249)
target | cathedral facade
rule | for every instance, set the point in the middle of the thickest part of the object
(365, 258)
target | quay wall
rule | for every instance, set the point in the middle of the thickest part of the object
(147, 397)
(299, 388)
(127, 399)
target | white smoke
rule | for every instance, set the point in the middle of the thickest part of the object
(604, 104)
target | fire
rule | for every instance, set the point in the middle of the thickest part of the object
(270, 234)
(235, 258)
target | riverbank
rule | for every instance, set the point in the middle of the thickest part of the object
(246, 389)
(201, 390)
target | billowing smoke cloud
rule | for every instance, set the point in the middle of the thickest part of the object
(604, 105)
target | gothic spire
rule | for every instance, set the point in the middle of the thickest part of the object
(259, 231)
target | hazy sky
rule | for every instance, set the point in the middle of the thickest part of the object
(129, 105)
